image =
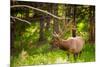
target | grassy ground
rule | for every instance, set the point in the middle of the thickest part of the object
(42, 54)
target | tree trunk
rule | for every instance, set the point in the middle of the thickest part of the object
(56, 23)
(48, 17)
(41, 33)
(74, 22)
(26, 13)
(91, 24)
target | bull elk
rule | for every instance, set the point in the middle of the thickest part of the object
(73, 45)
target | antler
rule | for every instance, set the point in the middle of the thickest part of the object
(55, 34)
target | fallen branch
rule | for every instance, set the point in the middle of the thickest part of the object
(20, 19)
(60, 18)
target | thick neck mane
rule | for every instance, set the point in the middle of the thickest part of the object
(63, 44)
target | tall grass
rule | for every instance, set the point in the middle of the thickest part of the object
(43, 55)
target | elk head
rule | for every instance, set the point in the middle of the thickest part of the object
(55, 42)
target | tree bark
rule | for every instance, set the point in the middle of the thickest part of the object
(41, 33)
(74, 22)
(91, 24)
(48, 17)
(56, 23)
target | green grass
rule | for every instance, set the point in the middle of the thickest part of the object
(43, 55)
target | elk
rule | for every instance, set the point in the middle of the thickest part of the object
(73, 45)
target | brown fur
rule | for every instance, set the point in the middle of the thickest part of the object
(73, 44)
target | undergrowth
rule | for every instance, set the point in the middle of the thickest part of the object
(42, 54)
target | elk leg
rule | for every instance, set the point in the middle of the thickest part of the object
(75, 56)
(80, 53)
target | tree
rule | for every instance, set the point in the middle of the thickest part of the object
(41, 33)
(56, 23)
(74, 21)
(48, 18)
(91, 24)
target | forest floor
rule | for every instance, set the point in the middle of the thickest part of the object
(42, 54)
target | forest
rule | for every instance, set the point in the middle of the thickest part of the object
(38, 30)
